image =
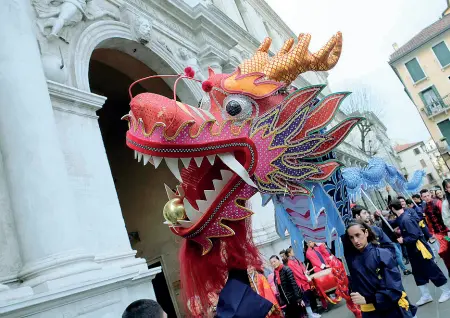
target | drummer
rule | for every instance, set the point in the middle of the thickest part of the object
(318, 255)
(376, 281)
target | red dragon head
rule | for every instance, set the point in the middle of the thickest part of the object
(253, 133)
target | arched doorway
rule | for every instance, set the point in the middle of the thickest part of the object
(140, 189)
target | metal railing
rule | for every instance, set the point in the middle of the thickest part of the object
(437, 106)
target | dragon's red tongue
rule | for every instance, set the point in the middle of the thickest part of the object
(197, 179)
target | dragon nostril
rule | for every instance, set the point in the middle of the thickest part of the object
(233, 108)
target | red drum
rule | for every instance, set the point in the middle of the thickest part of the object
(324, 281)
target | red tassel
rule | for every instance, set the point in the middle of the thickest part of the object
(202, 275)
(207, 86)
(189, 72)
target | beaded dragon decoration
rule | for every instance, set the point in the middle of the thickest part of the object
(253, 133)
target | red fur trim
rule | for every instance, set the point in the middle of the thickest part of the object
(202, 275)
(189, 72)
(207, 86)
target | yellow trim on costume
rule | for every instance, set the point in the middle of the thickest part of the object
(422, 223)
(402, 302)
(425, 253)
(367, 308)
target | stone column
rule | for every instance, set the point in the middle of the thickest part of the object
(253, 22)
(231, 10)
(36, 176)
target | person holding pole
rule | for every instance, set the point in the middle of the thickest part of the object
(360, 213)
(423, 267)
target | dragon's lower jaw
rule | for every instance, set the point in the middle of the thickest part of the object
(205, 187)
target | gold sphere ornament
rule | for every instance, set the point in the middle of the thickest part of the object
(174, 211)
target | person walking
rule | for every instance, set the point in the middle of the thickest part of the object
(434, 215)
(361, 213)
(376, 281)
(290, 293)
(301, 275)
(423, 267)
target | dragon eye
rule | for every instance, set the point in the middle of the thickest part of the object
(239, 108)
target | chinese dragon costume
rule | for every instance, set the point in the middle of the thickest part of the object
(253, 132)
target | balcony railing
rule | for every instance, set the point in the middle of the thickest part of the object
(438, 106)
(443, 147)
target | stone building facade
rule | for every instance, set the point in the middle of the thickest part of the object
(81, 232)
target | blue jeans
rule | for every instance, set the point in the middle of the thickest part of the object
(398, 255)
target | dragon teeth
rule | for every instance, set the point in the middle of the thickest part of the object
(211, 159)
(170, 194)
(210, 195)
(172, 164)
(227, 158)
(193, 214)
(202, 205)
(233, 164)
(226, 175)
(147, 159)
(186, 162)
(198, 161)
(157, 161)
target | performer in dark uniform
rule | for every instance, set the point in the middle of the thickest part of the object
(376, 281)
(420, 255)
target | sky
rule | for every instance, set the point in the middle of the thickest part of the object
(369, 29)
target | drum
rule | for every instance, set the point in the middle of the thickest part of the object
(324, 281)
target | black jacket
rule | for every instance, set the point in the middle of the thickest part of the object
(288, 290)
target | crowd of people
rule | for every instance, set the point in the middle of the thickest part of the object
(377, 247)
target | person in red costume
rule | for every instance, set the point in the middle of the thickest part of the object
(318, 255)
(301, 277)
(436, 226)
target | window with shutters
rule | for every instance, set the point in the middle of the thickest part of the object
(442, 53)
(415, 70)
(423, 163)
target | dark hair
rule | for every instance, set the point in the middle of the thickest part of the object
(409, 201)
(275, 256)
(416, 196)
(143, 308)
(401, 197)
(371, 238)
(423, 191)
(356, 210)
(396, 205)
(288, 250)
(444, 186)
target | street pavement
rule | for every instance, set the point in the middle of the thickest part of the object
(430, 310)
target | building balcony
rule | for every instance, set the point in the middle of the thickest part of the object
(439, 106)
(443, 146)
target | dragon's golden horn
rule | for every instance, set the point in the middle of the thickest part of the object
(287, 66)
(257, 62)
(287, 46)
(265, 45)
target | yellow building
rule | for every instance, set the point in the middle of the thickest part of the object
(423, 67)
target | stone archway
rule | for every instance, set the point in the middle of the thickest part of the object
(117, 35)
